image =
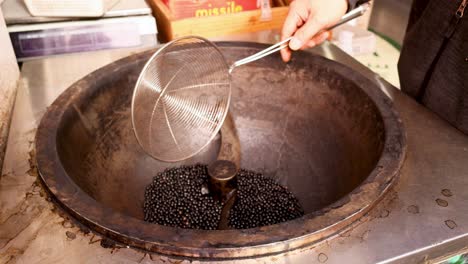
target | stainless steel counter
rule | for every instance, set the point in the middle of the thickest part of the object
(424, 218)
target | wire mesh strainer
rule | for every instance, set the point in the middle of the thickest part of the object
(181, 99)
(182, 95)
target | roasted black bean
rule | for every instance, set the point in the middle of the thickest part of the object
(178, 197)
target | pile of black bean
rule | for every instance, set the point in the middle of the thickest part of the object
(261, 201)
(179, 197)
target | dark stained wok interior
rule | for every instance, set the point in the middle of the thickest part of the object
(305, 125)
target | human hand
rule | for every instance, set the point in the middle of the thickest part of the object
(306, 18)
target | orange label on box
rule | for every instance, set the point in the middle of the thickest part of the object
(188, 8)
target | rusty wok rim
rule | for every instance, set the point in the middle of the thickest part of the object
(267, 240)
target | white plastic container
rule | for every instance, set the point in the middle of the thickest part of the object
(354, 40)
(68, 8)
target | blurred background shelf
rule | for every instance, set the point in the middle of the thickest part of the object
(124, 24)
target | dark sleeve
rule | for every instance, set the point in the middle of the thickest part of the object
(355, 3)
(417, 10)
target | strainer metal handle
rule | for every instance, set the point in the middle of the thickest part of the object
(357, 12)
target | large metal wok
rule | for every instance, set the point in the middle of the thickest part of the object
(314, 125)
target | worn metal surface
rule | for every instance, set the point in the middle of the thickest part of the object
(408, 226)
(230, 148)
(222, 172)
(326, 130)
(222, 181)
(9, 76)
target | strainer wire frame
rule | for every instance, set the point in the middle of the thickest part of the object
(140, 77)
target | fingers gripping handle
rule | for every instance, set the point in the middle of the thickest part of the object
(357, 12)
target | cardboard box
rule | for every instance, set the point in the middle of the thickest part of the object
(203, 8)
(169, 27)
